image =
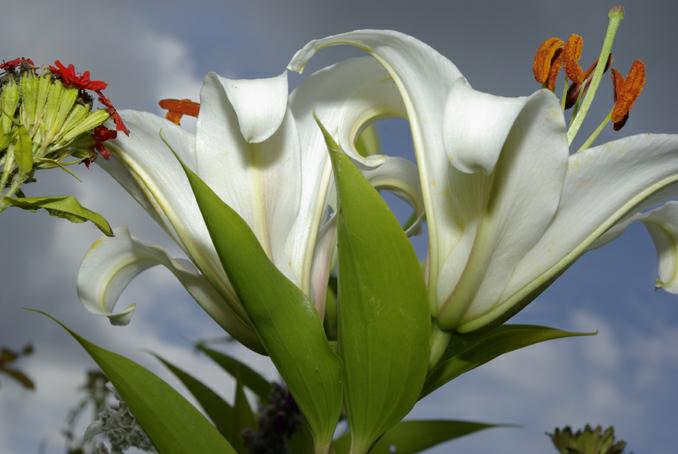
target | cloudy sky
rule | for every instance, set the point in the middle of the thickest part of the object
(625, 376)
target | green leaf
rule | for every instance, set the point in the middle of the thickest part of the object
(66, 207)
(245, 419)
(466, 352)
(23, 151)
(384, 320)
(241, 372)
(410, 437)
(218, 410)
(171, 422)
(285, 320)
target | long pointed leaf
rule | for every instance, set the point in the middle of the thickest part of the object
(171, 422)
(470, 351)
(384, 320)
(240, 372)
(410, 437)
(284, 318)
(244, 417)
(218, 410)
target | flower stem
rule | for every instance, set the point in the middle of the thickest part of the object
(616, 15)
(563, 97)
(594, 135)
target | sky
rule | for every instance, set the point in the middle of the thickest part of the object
(148, 50)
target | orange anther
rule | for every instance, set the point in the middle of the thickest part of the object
(546, 58)
(626, 92)
(572, 54)
(177, 108)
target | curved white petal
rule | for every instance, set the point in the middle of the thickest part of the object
(662, 224)
(502, 215)
(113, 262)
(346, 97)
(259, 104)
(602, 185)
(401, 177)
(424, 79)
(259, 181)
(476, 125)
(322, 264)
(155, 172)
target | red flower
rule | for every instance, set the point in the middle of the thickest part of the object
(11, 64)
(101, 134)
(71, 79)
(119, 124)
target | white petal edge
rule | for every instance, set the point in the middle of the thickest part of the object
(112, 263)
(662, 225)
(400, 176)
(476, 125)
(259, 104)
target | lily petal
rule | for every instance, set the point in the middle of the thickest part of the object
(502, 215)
(260, 181)
(347, 97)
(113, 262)
(259, 104)
(424, 79)
(476, 125)
(662, 224)
(401, 177)
(156, 179)
(602, 185)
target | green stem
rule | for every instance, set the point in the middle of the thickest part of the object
(616, 15)
(439, 341)
(594, 135)
(563, 97)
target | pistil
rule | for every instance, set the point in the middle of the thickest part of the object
(616, 15)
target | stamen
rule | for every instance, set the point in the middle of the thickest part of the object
(572, 53)
(576, 91)
(177, 108)
(555, 69)
(627, 91)
(616, 15)
(544, 59)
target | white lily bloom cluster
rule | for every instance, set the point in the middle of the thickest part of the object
(508, 207)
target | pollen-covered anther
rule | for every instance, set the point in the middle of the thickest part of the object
(177, 108)
(571, 55)
(547, 62)
(626, 91)
(576, 90)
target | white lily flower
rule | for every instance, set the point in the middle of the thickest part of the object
(263, 154)
(508, 207)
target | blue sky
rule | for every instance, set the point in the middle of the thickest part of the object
(625, 376)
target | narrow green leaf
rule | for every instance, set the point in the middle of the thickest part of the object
(245, 418)
(384, 321)
(241, 372)
(23, 151)
(284, 318)
(66, 207)
(410, 437)
(466, 352)
(171, 422)
(218, 410)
